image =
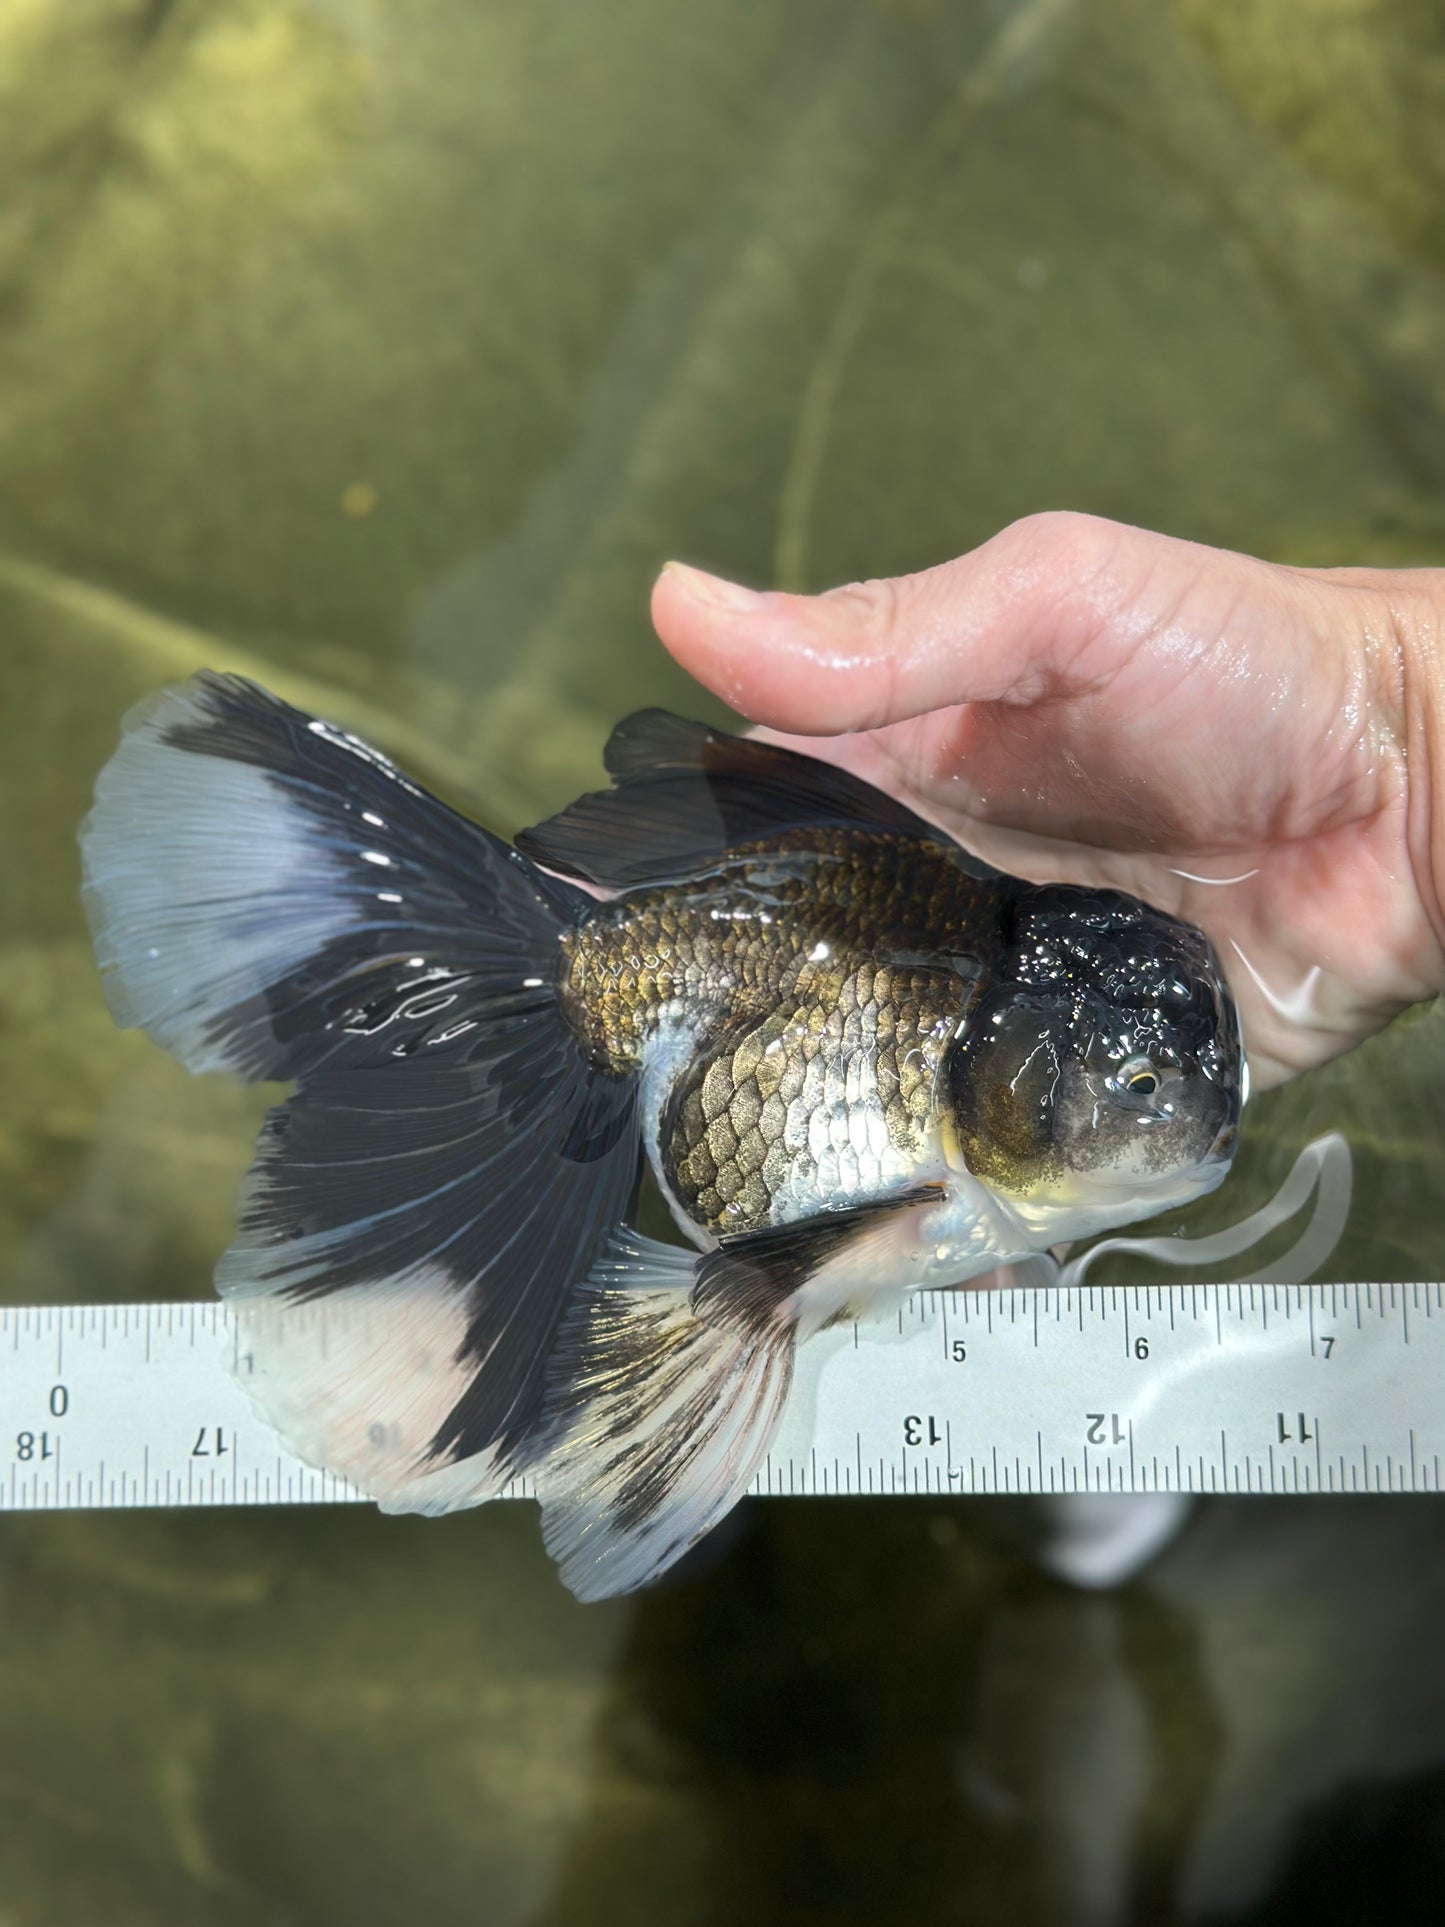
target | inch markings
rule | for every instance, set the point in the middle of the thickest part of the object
(1241, 1388)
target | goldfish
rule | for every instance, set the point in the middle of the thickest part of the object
(855, 1060)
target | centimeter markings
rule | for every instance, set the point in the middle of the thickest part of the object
(1193, 1388)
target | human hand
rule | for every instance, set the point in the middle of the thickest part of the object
(1258, 749)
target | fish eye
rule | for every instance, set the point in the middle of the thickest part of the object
(1138, 1075)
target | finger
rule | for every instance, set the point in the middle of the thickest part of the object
(1043, 609)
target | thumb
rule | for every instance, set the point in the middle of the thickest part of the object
(1050, 605)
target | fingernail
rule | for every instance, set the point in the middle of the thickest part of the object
(714, 589)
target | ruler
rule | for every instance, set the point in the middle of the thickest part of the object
(1195, 1388)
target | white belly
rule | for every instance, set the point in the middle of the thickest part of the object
(839, 1148)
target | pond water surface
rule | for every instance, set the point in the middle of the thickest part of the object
(384, 353)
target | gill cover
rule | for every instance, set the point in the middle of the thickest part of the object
(1003, 1077)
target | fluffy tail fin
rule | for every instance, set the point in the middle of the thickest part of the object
(270, 896)
(657, 1416)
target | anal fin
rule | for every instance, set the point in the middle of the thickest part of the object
(655, 1419)
(669, 1379)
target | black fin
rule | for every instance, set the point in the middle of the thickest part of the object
(667, 1385)
(684, 794)
(756, 1266)
(450, 1193)
(272, 897)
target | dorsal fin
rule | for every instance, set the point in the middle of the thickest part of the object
(683, 794)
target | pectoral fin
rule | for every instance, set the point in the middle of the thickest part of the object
(821, 1268)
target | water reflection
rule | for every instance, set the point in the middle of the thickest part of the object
(879, 1712)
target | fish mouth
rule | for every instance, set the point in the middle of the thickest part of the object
(1161, 1191)
(1163, 1188)
(1091, 1202)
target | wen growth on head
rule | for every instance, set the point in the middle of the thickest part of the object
(857, 1061)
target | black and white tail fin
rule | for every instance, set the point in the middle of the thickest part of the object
(271, 897)
(267, 893)
(657, 1415)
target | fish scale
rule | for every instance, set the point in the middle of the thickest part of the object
(817, 1086)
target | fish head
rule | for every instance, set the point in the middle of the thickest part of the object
(1101, 1079)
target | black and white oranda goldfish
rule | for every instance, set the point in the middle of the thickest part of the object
(857, 1060)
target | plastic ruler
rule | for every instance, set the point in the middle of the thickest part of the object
(1196, 1388)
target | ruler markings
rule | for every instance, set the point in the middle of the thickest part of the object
(135, 1405)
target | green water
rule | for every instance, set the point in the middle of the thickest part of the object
(384, 352)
